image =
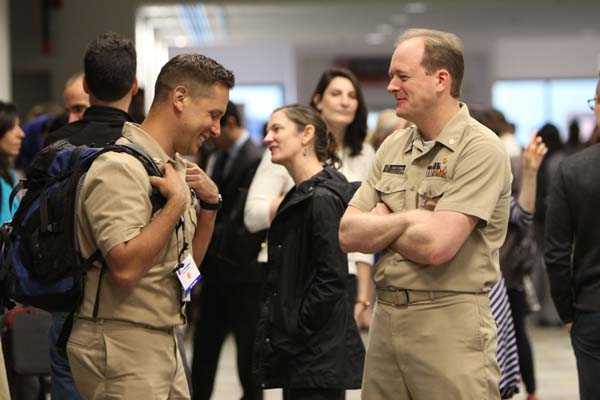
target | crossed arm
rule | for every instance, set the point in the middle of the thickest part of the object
(424, 237)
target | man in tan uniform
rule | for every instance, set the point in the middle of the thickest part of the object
(129, 350)
(436, 205)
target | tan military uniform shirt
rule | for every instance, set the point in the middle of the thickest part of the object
(113, 207)
(466, 170)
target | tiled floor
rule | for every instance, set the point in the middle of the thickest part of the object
(554, 361)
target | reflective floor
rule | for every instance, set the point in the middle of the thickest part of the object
(554, 361)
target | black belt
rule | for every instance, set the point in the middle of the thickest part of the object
(402, 297)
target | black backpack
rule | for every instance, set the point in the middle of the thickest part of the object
(40, 264)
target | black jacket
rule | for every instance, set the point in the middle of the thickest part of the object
(99, 127)
(306, 336)
(572, 251)
(231, 255)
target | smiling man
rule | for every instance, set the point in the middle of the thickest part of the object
(123, 342)
(436, 205)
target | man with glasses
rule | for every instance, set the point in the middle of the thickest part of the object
(572, 256)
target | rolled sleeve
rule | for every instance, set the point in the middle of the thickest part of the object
(481, 176)
(116, 199)
(367, 197)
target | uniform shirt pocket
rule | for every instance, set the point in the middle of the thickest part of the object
(430, 191)
(392, 191)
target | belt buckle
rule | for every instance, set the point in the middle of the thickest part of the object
(402, 297)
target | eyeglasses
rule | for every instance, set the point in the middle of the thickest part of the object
(592, 103)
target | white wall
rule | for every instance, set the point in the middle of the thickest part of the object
(255, 64)
(547, 57)
(5, 59)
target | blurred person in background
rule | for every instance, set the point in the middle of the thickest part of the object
(387, 123)
(109, 82)
(76, 98)
(11, 138)
(573, 144)
(339, 99)
(547, 315)
(307, 342)
(229, 298)
(572, 256)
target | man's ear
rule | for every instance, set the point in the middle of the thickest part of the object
(178, 97)
(443, 80)
(86, 88)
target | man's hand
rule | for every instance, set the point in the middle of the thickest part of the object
(569, 326)
(204, 188)
(171, 186)
(534, 154)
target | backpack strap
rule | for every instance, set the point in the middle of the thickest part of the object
(65, 332)
(18, 187)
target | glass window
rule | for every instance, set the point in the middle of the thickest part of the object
(529, 104)
(256, 103)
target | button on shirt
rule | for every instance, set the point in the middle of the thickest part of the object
(113, 207)
(466, 170)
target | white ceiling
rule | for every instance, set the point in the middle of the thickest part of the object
(365, 27)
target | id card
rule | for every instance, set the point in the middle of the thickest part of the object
(188, 275)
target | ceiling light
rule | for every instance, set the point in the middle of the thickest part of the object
(415, 8)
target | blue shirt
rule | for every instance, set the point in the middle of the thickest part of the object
(6, 214)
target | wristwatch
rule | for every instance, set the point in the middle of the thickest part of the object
(211, 206)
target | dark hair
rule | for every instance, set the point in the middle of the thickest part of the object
(195, 71)
(109, 66)
(231, 112)
(8, 119)
(357, 130)
(492, 119)
(442, 50)
(551, 138)
(573, 140)
(325, 145)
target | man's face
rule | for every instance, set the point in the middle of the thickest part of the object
(410, 84)
(76, 100)
(200, 119)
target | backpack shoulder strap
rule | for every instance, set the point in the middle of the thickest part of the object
(157, 199)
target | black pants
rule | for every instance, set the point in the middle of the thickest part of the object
(518, 305)
(585, 338)
(313, 394)
(225, 309)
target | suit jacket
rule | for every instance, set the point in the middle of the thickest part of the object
(571, 251)
(231, 256)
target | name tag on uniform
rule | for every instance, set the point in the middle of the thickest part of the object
(188, 275)
(397, 169)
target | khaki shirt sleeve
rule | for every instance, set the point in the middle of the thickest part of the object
(116, 199)
(480, 178)
(367, 197)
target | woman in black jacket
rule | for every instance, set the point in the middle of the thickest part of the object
(307, 341)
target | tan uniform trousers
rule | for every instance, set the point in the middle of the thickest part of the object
(4, 394)
(442, 349)
(120, 360)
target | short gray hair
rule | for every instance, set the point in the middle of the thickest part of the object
(442, 50)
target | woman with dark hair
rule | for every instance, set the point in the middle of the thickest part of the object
(307, 342)
(11, 137)
(340, 101)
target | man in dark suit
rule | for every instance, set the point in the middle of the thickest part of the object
(230, 296)
(572, 255)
